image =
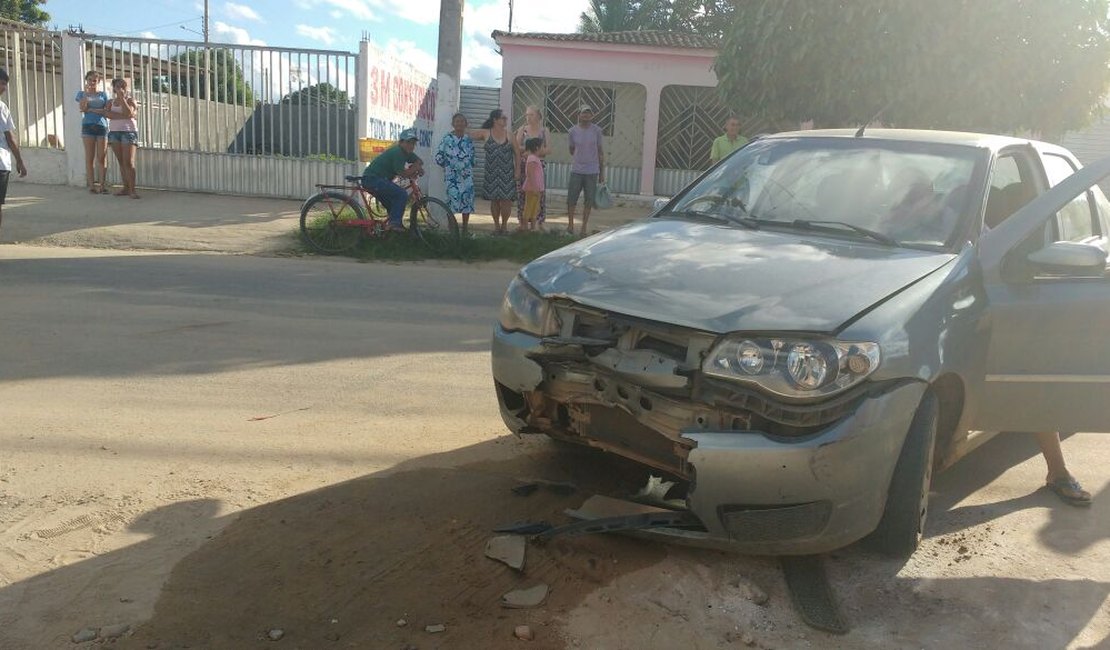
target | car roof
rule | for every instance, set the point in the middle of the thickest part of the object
(980, 140)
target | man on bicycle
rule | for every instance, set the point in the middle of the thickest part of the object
(398, 160)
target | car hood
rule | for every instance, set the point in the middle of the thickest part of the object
(720, 278)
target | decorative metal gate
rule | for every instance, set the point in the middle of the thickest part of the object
(618, 110)
(690, 118)
(235, 118)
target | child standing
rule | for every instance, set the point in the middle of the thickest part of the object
(94, 132)
(533, 185)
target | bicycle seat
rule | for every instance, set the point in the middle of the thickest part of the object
(352, 179)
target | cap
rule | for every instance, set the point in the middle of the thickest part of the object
(407, 134)
(585, 108)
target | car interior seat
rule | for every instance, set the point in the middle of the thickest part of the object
(1001, 203)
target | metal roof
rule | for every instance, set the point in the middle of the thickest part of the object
(648, 38)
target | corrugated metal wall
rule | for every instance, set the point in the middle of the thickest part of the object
(476, 102)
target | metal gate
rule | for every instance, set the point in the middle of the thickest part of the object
(690, 118)
(476, 102)
(236, 119)
(618, 110)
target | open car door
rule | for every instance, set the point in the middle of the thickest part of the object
(1048, 320)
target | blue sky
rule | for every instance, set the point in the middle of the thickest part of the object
(406, 27)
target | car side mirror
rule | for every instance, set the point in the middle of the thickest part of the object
(659, 204)
(1069, 258)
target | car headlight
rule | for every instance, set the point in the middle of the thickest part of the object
(793, 367)
(524, 310)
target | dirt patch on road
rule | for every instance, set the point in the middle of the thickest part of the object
(339, 567)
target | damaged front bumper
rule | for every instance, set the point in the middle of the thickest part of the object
(764, 477)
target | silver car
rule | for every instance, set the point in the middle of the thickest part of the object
(817, 323)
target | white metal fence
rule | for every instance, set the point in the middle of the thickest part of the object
(236, 118)
(32, 58)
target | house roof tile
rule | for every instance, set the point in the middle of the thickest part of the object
(651, 38)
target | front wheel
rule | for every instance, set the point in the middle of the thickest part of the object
(433, 222)
(907, 502)
(325, 223)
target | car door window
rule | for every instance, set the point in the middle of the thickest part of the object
(1011, 187)
(1074, 222)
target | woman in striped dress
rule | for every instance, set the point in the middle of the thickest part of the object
(501, 178)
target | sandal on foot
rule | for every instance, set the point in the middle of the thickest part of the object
(1070, 492)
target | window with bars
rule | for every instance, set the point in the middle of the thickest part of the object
(562, 101)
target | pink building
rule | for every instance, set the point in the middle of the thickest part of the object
(654, 94)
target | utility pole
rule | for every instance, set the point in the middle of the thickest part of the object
(449, 70)
(510, 16)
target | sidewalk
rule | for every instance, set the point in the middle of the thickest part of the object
(52, 215)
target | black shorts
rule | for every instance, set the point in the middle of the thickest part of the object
(4, 185)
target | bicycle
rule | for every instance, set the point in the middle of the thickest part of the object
(335, 218)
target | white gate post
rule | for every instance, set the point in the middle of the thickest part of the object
(73, 74)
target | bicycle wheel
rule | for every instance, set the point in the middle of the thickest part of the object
(323, 226)
(433, 222)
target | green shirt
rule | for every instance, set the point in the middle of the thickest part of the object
(722, 146)
(390, 163)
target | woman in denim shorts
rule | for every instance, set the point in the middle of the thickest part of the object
(94, 132)
(123, 135)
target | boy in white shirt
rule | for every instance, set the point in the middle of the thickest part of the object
(9, 146)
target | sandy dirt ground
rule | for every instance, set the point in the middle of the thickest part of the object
(202, 450)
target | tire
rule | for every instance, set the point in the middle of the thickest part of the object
(907, 503)
(434, 223)
(322, 227)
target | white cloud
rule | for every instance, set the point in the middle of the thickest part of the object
(241, 12)
(410, 53)
(238, 35)
(481, 64)
(148, 34)
(361, 9)
(325, 35)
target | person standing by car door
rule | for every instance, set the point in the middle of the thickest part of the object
(1005, 202)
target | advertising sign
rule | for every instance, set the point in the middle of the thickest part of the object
(395, 97)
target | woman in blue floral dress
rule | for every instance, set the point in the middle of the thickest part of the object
(456, 156)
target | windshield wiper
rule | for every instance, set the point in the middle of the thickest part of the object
(867, 232)
(747, 222)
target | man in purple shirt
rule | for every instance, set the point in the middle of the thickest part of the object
(588, 168)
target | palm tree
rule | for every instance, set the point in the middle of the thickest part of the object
(623, 16)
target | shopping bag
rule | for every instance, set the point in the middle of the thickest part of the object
(602, 199)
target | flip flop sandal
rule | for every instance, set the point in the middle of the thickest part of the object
(1070, 492)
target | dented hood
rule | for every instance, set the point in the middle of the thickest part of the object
(722, 278)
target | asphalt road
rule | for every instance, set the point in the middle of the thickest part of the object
(146, 399)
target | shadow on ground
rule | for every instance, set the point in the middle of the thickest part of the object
(340, 566)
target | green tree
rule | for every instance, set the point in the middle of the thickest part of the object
(621, 16)
(27, 11)
(221, 81)
(1002, 66)
(708, 17)
(316, 94)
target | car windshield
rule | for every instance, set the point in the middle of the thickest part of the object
(896, 192)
